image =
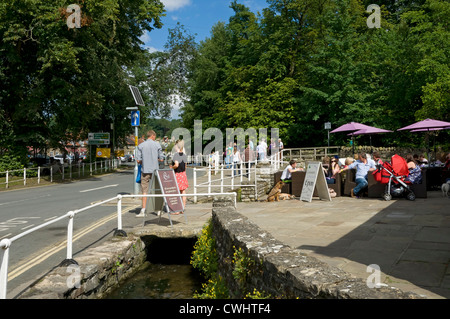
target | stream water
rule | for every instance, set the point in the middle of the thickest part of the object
(167, 273)
(158, 281)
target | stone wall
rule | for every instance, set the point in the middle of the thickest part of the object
(264, 182)
(387, 152)
(101, 269)
(278, 270)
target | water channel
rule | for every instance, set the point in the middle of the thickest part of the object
(166, 274)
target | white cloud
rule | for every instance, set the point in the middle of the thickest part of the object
(151, 49)
(172, 5)
(145, 37)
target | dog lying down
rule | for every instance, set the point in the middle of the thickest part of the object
(275, 193)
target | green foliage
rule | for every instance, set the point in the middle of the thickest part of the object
(58, 84)
(205, 259)
(243, 265)
(301, 63)
(9, 162)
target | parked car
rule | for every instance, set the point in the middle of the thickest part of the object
(127, 158)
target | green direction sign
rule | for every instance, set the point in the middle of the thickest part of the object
(98, 138)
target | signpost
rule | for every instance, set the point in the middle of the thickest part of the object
(315, 177)
(99, 138)
(164, 182)
(328, 128)
(135, 122)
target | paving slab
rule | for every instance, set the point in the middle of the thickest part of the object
(409, 240)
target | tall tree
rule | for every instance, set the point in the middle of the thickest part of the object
(57, 83)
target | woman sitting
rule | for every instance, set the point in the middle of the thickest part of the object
(333, 170)
(415, 173)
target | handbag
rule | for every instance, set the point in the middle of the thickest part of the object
(138, 177)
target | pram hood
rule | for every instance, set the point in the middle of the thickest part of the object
(399, 166)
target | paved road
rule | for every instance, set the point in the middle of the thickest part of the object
(39, 251)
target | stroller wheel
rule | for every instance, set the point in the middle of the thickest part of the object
(387, 196)
(411, 196)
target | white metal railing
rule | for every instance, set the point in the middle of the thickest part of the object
(6, 243)
(58, 171)
(247, 169)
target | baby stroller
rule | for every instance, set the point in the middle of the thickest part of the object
(393, 175)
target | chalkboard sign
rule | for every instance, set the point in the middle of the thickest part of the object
(169, 186)
(315, 177)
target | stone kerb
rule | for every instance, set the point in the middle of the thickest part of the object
(280, 270)
(101, 269)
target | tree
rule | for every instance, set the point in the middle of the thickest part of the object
(56, 83)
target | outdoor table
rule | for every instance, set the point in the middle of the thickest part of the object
(434, 180)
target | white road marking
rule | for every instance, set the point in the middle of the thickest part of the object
(24, 200)
(94, 189)
(27, 227)
(6, 236)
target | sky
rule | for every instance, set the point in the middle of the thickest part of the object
(197, 17)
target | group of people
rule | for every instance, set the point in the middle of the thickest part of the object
(365, 164)
(232, 155)
(149, 154)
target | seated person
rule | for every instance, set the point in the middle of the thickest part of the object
(332, 171)
(422, 161)
(377, 159)
(447, 163)
(287, 173)
(363, 166)
(415, 173)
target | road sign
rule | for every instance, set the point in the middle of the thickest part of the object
(98, 138)
(103, 152)
(135, 118)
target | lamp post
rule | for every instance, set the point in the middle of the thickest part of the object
(328, 128)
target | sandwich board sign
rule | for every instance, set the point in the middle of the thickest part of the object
(315, 177)
(164, 182)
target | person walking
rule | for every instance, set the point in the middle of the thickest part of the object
(179, 161)
(237, 160)
(148, 155)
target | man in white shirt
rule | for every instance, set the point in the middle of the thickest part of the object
(148, 155)
(287, 173)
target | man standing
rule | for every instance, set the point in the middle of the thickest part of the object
(363, 166)
(148, 154)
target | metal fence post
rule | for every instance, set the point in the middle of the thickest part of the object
(7, 176)
(69, 260)
(195, 184)
(6, 243)
(24, 176)
(209, 179)
(119, 231)
(221, 178)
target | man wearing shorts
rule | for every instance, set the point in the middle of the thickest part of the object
(148, 154)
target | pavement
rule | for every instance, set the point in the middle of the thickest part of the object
(408, 240)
